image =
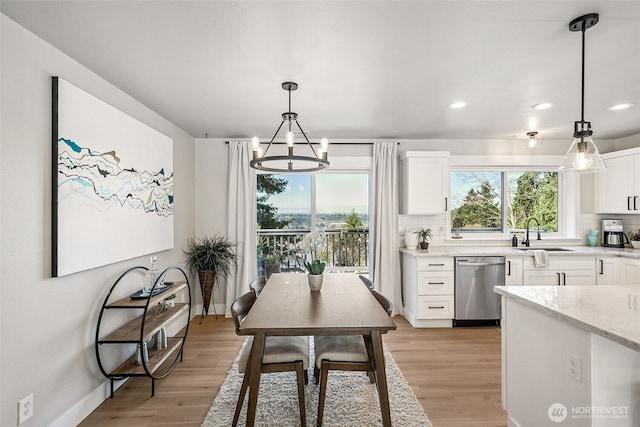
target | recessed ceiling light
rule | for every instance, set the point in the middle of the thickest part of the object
(621, 106)
(542, 106)
(457, 104)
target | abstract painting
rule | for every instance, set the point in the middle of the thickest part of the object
(112, 182)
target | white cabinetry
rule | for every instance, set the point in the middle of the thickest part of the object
(629, 271)
(607, 271)
(618, 188)
(427, 288)
(513, 271)
(561, 271)
(424, 182)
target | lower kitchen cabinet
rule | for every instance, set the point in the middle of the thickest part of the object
(513, 271)
(629, 271)
(607, 271)
(561, 271)
(427, 288)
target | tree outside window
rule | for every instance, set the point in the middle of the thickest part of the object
(291, 205)
(502, 201)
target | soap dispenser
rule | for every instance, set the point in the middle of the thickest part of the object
(514, 241)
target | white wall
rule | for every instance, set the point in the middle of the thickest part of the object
(212, 168)
(47, 325)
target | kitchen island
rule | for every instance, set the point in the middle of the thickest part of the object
(571, 355)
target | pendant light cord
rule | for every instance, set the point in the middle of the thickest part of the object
(583, 56)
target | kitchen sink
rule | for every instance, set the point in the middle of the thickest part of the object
(546, 249)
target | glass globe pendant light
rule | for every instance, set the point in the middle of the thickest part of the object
(583, 155)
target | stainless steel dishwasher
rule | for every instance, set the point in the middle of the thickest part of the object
(475, 301)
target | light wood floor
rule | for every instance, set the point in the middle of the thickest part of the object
(455, 374)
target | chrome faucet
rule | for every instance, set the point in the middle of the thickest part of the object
(527, 242)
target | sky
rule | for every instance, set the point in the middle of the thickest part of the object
(336, 193)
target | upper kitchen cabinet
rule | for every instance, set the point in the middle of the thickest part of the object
(424, 182)
(618, 188)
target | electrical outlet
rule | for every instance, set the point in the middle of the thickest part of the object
(25, 409)
(574, 367)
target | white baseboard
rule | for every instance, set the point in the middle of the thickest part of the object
(81, 410)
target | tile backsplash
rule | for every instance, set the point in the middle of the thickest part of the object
(437, 224)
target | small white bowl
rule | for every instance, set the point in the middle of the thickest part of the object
(635, 244)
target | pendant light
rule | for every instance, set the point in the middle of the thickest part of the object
(583, 155)
(533, 139)
(289, 162)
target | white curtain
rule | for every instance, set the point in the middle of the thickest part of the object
(241, 219)
(385, 269)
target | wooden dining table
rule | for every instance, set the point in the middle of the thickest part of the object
(344, 306)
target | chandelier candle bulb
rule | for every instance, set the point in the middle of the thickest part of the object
(290, 137)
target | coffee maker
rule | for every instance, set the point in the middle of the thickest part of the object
(613, 233)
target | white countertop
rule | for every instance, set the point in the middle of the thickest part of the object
(470, 250)
(612, 312)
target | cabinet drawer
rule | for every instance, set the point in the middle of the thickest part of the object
(435, 283)
(435, 307)
(435, 264)
(564, 263)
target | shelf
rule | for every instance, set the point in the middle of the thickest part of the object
(127, 302)
(140, 331)
(156, 359)
(130, 333)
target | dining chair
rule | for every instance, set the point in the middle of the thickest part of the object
(344, 353)
(366, 281)
(383, 301)
(281, 354)
(257, 285)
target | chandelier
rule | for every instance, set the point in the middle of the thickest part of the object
(289, 162)
(583, 155)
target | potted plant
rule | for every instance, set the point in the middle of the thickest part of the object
(170, 300)
(424, 234)
(312, 245)
(634, 238)
(212, 257)
(272, 264)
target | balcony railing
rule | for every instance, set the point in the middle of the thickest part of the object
(342, 248)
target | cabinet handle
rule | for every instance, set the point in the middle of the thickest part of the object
(508, 268)
(629, 203)
(635, 199)
(435, 283)
(601, 266)
(446, 204)
(558, 276)
(436, 265)
(564, 279)
(436, 306)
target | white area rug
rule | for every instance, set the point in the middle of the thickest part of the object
(351, 400)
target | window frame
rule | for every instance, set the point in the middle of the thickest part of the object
(360, 167)
(565, 197)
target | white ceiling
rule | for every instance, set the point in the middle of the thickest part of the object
(366, 69)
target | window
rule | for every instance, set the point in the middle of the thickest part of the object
(503, 201)
(291, 205)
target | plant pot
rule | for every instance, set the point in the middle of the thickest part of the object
(272, 269)
(635, 244)
(315, 281)
(411, 240)
(424, 245)
(207, 281)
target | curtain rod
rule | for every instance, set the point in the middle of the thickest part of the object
(336, 143)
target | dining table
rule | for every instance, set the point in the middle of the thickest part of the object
(343, 306)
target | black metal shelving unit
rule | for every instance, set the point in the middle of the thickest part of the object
(142, 329)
